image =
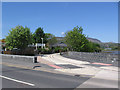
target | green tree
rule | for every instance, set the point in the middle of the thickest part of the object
(19, 37)
(39, 33)
(51, 39)
(93, 47)
(77, 41)
(2, 44)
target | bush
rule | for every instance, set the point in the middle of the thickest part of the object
(45, 51)
(39, 49)
(28, 51)
(52, 50)
(57, 49)
(64, 49)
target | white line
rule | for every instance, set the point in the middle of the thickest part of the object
(17, 80)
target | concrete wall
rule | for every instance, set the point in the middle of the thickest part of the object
(30, 59)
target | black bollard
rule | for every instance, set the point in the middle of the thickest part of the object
(35, 59)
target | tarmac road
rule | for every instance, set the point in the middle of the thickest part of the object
(13, 77)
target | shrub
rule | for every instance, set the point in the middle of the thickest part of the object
(57, 49)
(45, 51)
(64, 49)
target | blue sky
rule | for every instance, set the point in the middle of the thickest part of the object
(99, 20)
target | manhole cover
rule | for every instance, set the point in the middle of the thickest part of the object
(68, 66)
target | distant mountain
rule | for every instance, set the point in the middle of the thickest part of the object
(94, 40)
(109, 45)
(90, 39)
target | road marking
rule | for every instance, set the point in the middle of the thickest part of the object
(17, 80)
(57, 67)
(102, 64)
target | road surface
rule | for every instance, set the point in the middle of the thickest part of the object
(13, 77)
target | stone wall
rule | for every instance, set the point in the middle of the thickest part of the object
(92, 57)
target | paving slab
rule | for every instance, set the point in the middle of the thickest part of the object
(103, 79)
(83, 71)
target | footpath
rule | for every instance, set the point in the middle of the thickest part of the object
(102, 75)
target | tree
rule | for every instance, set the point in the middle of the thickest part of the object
(77, 41)
(39, 33)
(51, 39)
(92, 47)
(2, 43)
(19, 37)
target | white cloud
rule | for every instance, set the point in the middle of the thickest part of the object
(62, 33)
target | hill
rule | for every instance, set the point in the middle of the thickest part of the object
(94, 40)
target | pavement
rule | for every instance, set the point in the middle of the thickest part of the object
(102, 75)
(98, 58)
(103, 79)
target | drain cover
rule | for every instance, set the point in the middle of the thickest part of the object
(77, 75)
(36, 67)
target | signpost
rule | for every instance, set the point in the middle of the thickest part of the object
(42, 43)
(37, 45)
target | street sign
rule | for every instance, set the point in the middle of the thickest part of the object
(39, 44)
